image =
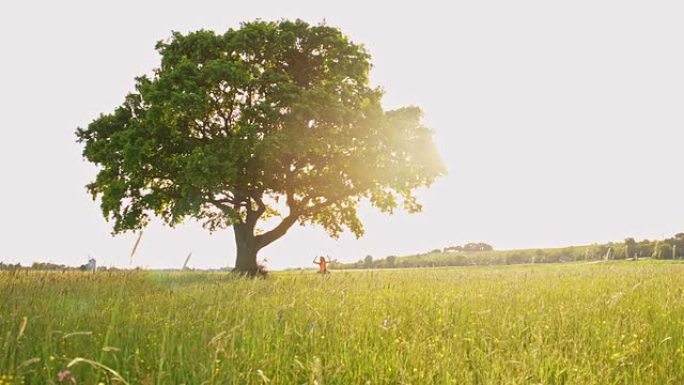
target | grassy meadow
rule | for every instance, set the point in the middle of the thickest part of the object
(577, 323)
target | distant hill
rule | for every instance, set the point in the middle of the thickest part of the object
(671, 248)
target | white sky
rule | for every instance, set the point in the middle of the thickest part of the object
(560, 122)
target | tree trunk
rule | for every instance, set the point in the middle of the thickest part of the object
(246, 261)
(248, 244)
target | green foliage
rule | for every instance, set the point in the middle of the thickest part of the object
(607, 323)
(233, 128)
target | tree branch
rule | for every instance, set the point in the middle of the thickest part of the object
(226, 209)
(227, 199)
(270, 236)
(254, 215)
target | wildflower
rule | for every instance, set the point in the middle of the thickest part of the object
(66, 375)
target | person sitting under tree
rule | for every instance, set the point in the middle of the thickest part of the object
(323, 264)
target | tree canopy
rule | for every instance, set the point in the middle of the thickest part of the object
(270, 119)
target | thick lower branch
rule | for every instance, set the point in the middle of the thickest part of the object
(296, 212)
(269, 237)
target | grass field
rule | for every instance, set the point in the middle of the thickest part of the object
(600, 323)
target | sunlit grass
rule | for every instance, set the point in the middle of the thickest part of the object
(575, 323)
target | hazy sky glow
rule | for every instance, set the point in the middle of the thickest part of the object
(560, 122)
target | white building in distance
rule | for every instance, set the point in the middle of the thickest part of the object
(91, 265)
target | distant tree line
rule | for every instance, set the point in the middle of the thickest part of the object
(473, 254)
(9, 266)
(49, 266)
(35, 266)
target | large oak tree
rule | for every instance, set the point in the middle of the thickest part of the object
(274, 116)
